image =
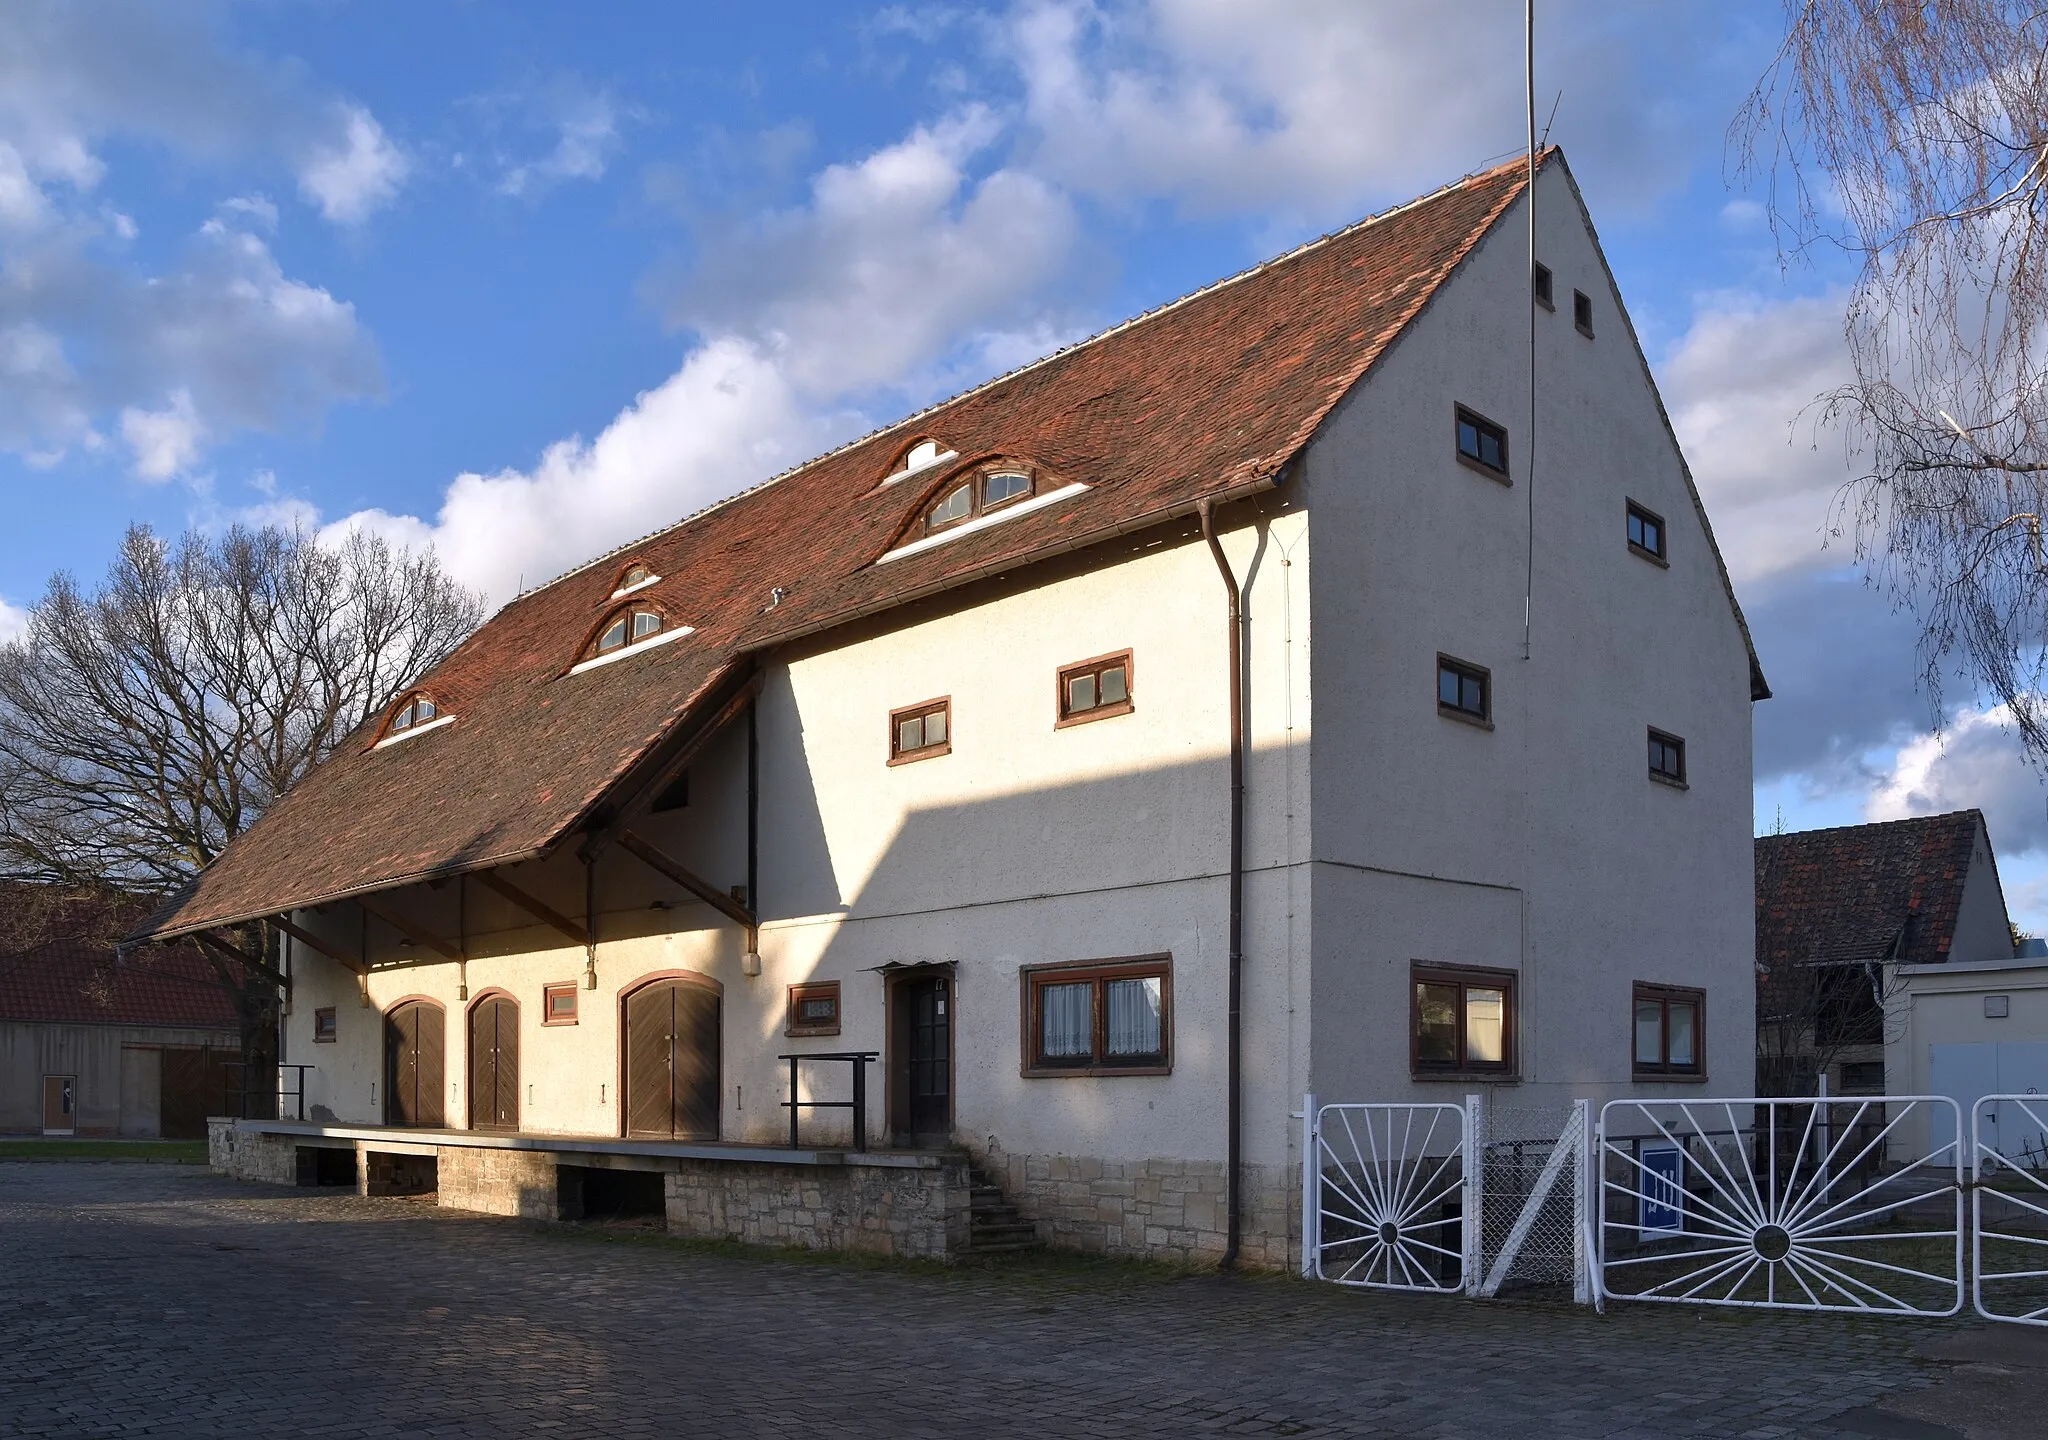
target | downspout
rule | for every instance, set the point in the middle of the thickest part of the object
(1234, 1124)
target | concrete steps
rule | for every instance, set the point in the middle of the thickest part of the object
(996, 1227)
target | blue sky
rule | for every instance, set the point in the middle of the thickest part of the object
(524, 281)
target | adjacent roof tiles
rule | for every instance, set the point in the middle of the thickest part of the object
(58, 966)
(1855, 892)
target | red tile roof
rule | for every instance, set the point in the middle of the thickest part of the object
(58, 965)
(1856, 892)
(1218, 390)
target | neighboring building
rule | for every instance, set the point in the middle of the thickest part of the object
(1841, 916)
(97, 1043)
(926, 749)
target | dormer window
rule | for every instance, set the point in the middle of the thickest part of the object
(636, 576)
(922, 454)
(626, 630)
(979, 494)
(413, 715)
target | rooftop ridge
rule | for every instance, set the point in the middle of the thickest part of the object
(1968, 810)
(1518, 162)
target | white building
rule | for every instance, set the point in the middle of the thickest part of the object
(926, 748)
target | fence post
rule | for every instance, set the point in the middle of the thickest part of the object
(1474, 1221)
(1585, 1256)
(1311, 1188)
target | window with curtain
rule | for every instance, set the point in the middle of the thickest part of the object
(1462, 1020)
(1098, 1018)
(1668, 1030)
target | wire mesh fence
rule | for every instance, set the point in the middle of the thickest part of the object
(1531, 1184)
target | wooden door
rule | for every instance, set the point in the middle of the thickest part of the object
(494, 1064)
(60, 1104)
(921, 1070)
(672, 1061)
(188, 1091)
(415, 1047)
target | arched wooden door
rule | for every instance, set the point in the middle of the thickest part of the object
(672, 1061)
(494, 1064)
(415, 1051)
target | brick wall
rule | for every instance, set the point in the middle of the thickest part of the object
(499, 1182)
(875, 1209)
(1157, 1209)
(271, 1159)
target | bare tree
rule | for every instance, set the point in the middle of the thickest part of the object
(144, 726)
(1913, 135)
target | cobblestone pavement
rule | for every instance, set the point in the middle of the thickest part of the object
(160, 1300)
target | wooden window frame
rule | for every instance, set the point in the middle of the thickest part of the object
(1582, 313)
(1466, 415)
(626, 611)
(812, 990)
(622, 587)
(547, 1002)
(1664, 995)
(1420, 973)
(919, 711)
(978, 504)
(1031, 982)
(1542, 287)
(1063, 717)
(1680, 781)
(324, 1019)
(1659, 556)
(1464, 669)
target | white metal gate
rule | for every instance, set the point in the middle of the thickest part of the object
(2009, 1208)
(1788, 1204)
(1382, 1196)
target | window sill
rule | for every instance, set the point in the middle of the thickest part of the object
(323, 1039)
(1667, 781)
(1078, 1072)
(930, 752)
(1661, 1077)
(1452, 712)
(1499, 476)
(810, 1032)
(546, 1023)
(1469, 1077)
(1550, 305)
(1101, 712)
(1650, 555)
(1584, 330)
(413, 732)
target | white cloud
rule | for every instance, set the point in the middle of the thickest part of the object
(1977, 764)
(13, 622)
(356, 173)
(586, 126)
(166, 441)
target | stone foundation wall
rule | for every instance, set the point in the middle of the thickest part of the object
(520, 1183)
(270, 1159)
(920, 1211)
(1157, 1209)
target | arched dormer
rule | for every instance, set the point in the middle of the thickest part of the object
(917, 456)
(625, 629)
(415, 713)
(634, 576)
(975, 496)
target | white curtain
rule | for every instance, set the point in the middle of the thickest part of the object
(1068, 1021)
(1134, 1016)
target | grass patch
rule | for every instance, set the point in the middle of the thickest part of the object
(174, 1152)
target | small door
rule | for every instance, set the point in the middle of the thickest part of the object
(922, 1035)
(672, 1061)
(415, 1047)
(494, 1064)
(60, 1104)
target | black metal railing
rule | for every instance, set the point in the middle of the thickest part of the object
(859, 1060)
(262, 1092)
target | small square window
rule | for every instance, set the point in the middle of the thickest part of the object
(1541, 286)
(1099, 1018)
(558, 1003)
(1646, 533)
(1462, 1020)
(323, 1025)
(1667, 758)
(921, 731)
(1669, 1031)
(1482, 443)
(1094, 689)
(813, 1008)
(1463, 692)
(1582, 313)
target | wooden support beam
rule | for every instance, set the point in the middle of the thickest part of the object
(231, 951)
(540, 910)
(703, 889)
(609, 828)
(307, 938)
(404, 926)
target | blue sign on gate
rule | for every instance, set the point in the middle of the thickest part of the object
(1661, 1196)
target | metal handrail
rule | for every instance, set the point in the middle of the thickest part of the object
(860, 1060)
(241, 1090)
